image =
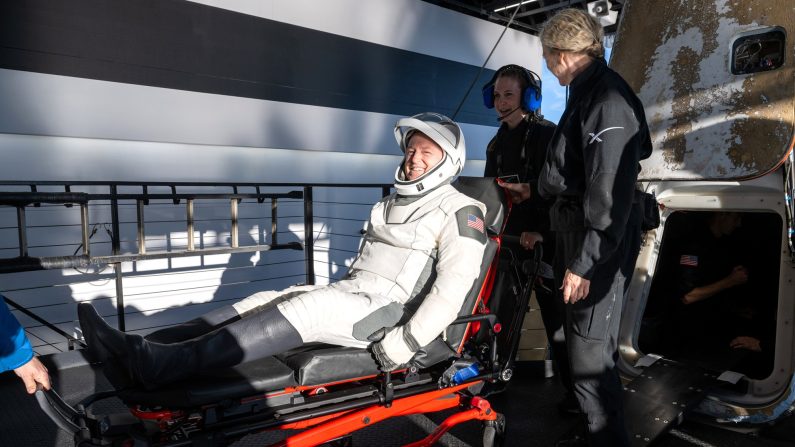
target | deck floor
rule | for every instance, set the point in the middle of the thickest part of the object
(529, 406)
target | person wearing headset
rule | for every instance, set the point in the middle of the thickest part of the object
(17, 355)
(425, 224)
(516, 154)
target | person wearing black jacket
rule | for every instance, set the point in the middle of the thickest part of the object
(590, 172)
(516, 153)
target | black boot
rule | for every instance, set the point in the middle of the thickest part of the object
(152, 364)
(103, 342)
(197, 327)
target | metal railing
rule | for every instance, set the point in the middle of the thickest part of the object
(179, 193)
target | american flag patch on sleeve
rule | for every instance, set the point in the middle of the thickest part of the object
(689, 260)
(475, 222)
(471, 224)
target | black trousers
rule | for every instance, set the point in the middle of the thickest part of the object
(592, 326)
(553, 314)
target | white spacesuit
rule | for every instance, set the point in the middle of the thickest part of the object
(427, 224)
(427, 238)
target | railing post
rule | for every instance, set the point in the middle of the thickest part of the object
(189, 211)
(139, 205)
(84, 227)
(274, 221)
(234, 233)
(309, 237)
(116, 245)
(22, 228)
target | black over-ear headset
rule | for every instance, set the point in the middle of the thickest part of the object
(531, 96)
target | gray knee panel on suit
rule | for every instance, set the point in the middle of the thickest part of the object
(386, 316)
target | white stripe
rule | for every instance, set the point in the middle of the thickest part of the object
(28, 157)
(54, 105)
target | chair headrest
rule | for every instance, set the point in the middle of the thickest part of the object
(486, 191)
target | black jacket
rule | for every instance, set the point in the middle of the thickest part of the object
(593, 162)
(522, 151)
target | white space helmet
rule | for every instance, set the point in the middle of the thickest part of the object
(444, 132)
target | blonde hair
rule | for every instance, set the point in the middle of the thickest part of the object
(575, 31)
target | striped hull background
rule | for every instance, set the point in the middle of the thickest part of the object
(221, 91)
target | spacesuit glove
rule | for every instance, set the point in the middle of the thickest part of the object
(382, 358)
(393, 350)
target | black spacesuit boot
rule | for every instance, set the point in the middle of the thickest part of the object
(151, 364)
(196, 327)
(95, 330)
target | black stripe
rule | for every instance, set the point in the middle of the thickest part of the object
(188, 46)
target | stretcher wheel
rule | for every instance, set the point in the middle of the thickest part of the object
(494, 432)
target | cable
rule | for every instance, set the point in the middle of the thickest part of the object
(474, 81)
(94, 229)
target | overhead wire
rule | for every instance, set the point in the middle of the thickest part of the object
(477, 76)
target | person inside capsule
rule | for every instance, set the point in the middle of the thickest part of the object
(716, 322)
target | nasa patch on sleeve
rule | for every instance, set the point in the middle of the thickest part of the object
(471, 224)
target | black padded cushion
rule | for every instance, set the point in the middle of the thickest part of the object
(75, 375)
(488, 192)
(258, 376)
(322, 364)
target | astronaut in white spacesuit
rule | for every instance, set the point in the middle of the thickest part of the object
(426, 225)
